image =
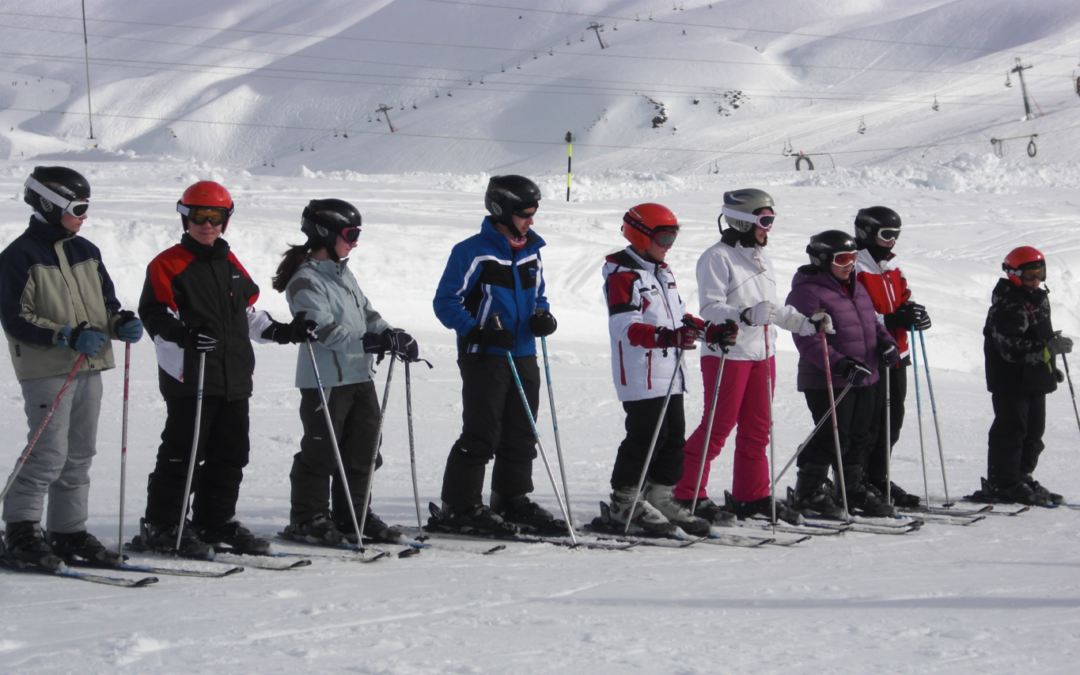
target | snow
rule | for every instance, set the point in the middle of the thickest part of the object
(998, 596)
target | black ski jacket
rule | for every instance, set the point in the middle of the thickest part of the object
(1014, 341)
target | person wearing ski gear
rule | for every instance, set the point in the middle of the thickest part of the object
(198, 301)
(57, 306)
(492, 295)
(649, 329)
(737, 282)
(346, 335)
(877, 229)
(855, 350)
(1020, 347)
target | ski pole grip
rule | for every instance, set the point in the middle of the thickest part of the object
(496, 321)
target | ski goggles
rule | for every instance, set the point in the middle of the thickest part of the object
(215, 215)
(520, 212)
(888, 234)
(350, 234)
(844, 258)
(764, 221)
(75, 207)
(1032, 273)
(665, 236)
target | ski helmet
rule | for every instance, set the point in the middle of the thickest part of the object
(54, 190)
(507, 195)
(825, 245)
(643, 222)
(741, 208)
(324, 220)
(870, 221)
(1020, 259)
(203, 201)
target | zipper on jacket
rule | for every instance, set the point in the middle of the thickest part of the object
(622, 366)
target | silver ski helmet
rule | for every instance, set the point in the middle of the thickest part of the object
(746, 202)
(323, 220)
(507, 195)
(825, 245)
(54, 190)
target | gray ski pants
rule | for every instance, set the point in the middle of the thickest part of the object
(59, 465)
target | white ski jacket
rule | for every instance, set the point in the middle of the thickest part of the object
(732, 277)
(641, 297)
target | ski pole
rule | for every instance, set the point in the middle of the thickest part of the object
(375, 455)
(555, 424)
(652, 443)
(194, 448)
(806, 442)
(918, 411)
(937, 426)
(123, 443)
(888, 438)
(772, 439)
(708, 429)
(412, 445)
(334, 445)
(835, 427)
(1072, 392)
(41, 428)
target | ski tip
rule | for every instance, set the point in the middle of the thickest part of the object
(145, 581)
(495, 549)
(409, 553)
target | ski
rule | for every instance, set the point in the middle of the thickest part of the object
(1074, 507)
(998, 510)
(170, 571)
(944, 511)
(523, 539)
(720, 539)
(226, 555)
(659, 542)
(410, 549)
(81, 576)
(816, 530)
(863, 525)
(221, 558)
(772, 541)
(938, 519)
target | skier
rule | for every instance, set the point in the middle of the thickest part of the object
(1020, 346)
(197, 300)
(736, 282)
(649, 327)
(320, 288)
(57, 306)
(854, 350)
(492, 295)
(876, 230)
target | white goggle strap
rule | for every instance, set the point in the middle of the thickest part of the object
(64, 204)
(739, 215)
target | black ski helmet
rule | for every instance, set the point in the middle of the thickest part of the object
(870, 220)
(824, 246)
(50, 190)
(507, 195)
(324, 219)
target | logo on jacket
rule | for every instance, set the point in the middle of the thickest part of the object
(532, 272)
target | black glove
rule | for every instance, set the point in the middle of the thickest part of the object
(494, 335)
(855, 372)
(1059, 344)
(542, 323)
(1059, 376)
(903, 318)
(401, 344)
(922, 319)
(300, 330)
(203, 339)
(889, 354)
(722, 335)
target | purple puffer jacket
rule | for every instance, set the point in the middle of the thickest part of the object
(858, 331)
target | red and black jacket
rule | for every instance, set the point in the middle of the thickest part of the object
(191, 286)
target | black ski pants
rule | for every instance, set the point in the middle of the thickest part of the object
(666, 467)
(495, 425)
(853, 415)
(315, 476)
(1015, 440)
(880, 447)
(219, 462)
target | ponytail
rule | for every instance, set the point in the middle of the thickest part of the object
(290, 262)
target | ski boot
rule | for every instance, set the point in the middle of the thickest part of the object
(471, 519)
(743, 510)
(25, 546)
(1050, 497)
(644, 520)
(83, 546)
(317, 530)
(814, 494)
(529, 516)
(375, 529)
(900, 497)
(162, 539)
(710, 511)
(662, 497)
(236, 536)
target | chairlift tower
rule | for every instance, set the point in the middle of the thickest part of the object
(1019, 70)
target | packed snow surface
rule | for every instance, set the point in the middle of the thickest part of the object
(998, 596)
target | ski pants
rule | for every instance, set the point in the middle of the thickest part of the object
(744, 401)
(59, 464)
(853, 422)
(1015, 440)
(315, 476)
(495, 425)
(219, 462)
(880, 447)
(666, 467)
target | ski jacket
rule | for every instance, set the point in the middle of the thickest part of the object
(484, 275)
(888, 289)
(51, 278)
(859, 335)
(732, 277)
(328, 293)
(194, 286)
(1014, 341)
(641, 297)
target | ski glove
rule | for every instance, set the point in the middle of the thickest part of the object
(855, 372)
(82, 339)
(203, 339)
(759, 315)
(1059, 344)
(922, 319)
(1059, 376)
(298, 331)
(542, 323)
(128, 327)
(816, 323)
(401, 344)
(890, 354)
(721, 335)
(490, 337)
(685, 337)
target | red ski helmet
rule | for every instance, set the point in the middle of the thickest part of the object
(212, 198)
(1020, 259)
(641, 222)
